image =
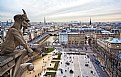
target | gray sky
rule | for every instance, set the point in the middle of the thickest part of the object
(62, 10)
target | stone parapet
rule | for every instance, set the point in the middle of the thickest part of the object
(8, 61)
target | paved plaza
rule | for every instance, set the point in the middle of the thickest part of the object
(79, 64)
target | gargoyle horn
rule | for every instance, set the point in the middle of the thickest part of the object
(23, 11)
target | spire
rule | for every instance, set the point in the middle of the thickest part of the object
(44, 21)
(90, 21)
(7, 23)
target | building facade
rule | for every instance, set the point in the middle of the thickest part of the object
(109, 55)
(72, 38)
(63, 38)
(102, 34)
(76, 39)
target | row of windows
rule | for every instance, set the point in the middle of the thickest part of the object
(75, 42)
(108, 35)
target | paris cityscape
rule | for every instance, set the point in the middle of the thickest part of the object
(66, 38)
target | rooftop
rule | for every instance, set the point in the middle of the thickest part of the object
(114, 40)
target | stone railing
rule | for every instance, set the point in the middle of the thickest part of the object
(8, 63)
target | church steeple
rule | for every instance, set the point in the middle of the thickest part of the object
(90, 21)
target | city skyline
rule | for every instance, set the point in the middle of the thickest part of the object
(64, 10)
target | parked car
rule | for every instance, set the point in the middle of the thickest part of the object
(97, 62)
(103, 68)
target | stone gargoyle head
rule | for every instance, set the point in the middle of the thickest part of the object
(22, 19)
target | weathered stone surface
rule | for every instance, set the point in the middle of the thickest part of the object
(11, 63)
(14, 36)
(1, 70)
(6, 67)
(4, 60)
(8, 61)
(9, 57)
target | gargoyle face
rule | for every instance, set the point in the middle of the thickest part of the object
(25, 21)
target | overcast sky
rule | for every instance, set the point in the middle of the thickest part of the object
(62, 10)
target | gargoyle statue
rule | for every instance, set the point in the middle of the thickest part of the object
(14, 38)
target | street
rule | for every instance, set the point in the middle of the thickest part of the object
(101, 72)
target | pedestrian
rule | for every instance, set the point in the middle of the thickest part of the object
(85, 48)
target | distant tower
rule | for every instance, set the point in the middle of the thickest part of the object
(7, 23)
(11, 22)
(44, 21)
(90, 22)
